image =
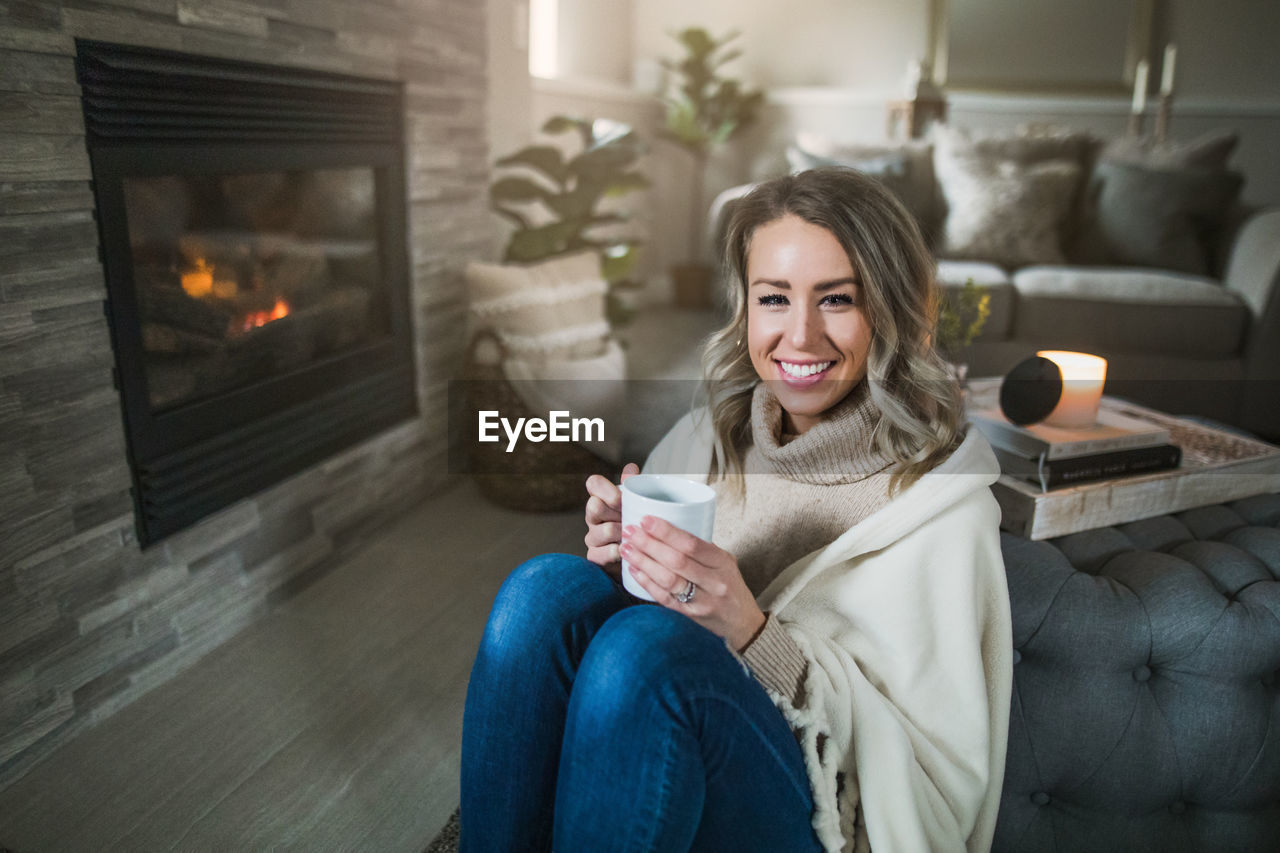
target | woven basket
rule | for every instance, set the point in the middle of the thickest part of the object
(541, 477)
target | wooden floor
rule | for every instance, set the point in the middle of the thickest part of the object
(333, 724)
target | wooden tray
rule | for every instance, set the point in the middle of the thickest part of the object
(1217, 466)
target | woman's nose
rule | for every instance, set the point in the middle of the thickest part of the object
(805, 328)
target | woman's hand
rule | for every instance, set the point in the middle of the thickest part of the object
(604, 521)
(665, 558)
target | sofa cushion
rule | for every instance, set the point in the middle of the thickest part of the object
(1134, 310)
(1006, 212)
(550, 310)
(953, 274)
(1163, 218)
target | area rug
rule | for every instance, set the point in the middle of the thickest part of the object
(447, 840)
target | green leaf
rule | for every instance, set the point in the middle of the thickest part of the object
(617, 312)
(535, 244)
(601, 165)
(545, 159)
(618, 262)
(727, 57)
(517, 190)
(561, 124)
(625, 183)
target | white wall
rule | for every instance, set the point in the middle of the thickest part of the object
(510, 91)
(596, 40)
(857, 44)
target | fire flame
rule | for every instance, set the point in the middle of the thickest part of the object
(199, 281)
(254, 319)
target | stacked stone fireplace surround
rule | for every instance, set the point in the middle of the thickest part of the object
(89, 621)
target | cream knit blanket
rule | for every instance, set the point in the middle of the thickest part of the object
(904, 624)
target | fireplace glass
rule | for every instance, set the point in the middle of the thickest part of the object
(252, 220)
(244, 276)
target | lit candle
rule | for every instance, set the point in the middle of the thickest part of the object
(1166, 73)
(1083, 376)
(1140, 87)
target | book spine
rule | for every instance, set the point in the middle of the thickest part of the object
(1095, 446)
(1063, 472)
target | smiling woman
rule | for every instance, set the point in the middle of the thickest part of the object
(806, 330)
(854, 569)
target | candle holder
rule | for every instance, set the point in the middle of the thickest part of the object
(1164, 111)
(1135, 124)
(1062, 389)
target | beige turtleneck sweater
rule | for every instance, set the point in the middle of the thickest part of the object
(799, 493)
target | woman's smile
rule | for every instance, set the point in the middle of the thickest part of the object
(802, 373)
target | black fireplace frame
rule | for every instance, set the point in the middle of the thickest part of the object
(198, 457)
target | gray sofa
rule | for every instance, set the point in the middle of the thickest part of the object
(1146, 690)
(1183, 344)
(1202, 339)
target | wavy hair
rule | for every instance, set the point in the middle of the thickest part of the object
(919, 401)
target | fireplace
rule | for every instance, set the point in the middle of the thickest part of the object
(252, 224)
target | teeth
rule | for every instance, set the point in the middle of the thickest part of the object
(802, 370)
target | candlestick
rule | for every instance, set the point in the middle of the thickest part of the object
(1140, 86)
(1083, 376)
(1163, 111)
(1166, 71)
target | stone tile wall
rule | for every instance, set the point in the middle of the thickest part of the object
(88, 621)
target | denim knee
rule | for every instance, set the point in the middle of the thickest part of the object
(638, 652)
(539, 598)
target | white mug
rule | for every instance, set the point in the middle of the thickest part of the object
(684, 503)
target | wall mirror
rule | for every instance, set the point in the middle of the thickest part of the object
(1076, 47)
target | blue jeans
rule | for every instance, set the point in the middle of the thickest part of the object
(595, 723)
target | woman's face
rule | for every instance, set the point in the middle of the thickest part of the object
(806, 329)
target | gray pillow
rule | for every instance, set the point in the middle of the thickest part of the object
(1209, 151)
(1164, 218)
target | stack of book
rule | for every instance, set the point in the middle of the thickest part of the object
(1116, 446)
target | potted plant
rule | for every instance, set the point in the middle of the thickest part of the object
(703, 111)
(558, 205)
(961, 317)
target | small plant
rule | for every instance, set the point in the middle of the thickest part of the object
(705, 110)
(961, 318)
(558, 205)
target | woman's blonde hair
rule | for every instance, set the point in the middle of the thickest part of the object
(919, 402)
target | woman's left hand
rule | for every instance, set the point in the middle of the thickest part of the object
(665, 558)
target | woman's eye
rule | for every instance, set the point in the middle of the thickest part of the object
(771, 299)
(838, 299)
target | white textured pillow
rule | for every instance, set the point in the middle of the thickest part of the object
(550, 310)
(1006, 212)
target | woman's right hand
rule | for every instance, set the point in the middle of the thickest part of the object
(604, 521)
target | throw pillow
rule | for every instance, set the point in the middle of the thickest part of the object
(1163, 218)
(1028, 144)
(551, 310)
(1006, 212)
(1210, 151)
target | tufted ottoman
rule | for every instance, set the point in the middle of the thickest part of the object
(1146, 710)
